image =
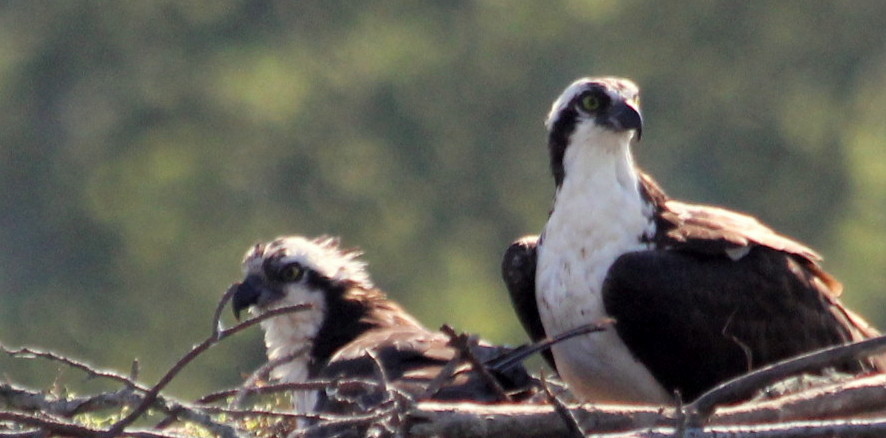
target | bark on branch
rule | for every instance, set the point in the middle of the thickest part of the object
(854, 407)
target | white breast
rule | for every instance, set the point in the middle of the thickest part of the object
(292, 334)
(597, 216)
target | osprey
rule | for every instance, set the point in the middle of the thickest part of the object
(699, 294)
(350, 329)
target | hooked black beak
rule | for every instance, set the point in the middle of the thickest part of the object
(626, 116)
(249, 293)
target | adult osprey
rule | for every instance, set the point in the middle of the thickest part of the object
(349, 326)
(699, 294)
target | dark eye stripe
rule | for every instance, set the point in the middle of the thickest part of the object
(274, 268)
(603, 99)
(279, 271)
(291, 272)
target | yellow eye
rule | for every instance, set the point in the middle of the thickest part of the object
(292, 272)
(591, 102)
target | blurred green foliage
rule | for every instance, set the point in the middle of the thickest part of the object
(145, 145)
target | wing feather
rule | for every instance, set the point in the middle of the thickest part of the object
(723, 288)
(518, 272)
(676, 309)
(713, 230)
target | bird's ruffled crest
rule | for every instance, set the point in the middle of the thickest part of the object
(323, 254)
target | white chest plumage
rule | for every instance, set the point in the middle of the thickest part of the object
(598, 215)
(292, 335)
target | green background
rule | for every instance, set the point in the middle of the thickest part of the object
(145, 145)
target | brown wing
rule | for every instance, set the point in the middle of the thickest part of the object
(411, 358)
(717, 231)
(696, 320)
(689, 228)
(518, 273)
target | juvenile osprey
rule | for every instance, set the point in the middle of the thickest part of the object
(699, 294)
(348, 323)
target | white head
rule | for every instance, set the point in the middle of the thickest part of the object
(321, 255)
(295, 270)
(599, 112)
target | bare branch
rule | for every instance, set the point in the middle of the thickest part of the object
(33, 401)
(563, 411)
(522, 352)
(151, 434)
(265, 315)
(40, 414)
(55, 426)
(875, 428)
(432, 419)
(35, 433)
(262, 373)
(269, 389)
(463, 343)
(216, 337)
(735, 389)
(442, 377)
(859, 396)
(258, 413)
(31, 353)
(353, 420)
(151, 397)
(837, 402)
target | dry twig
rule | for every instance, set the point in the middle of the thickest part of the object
(463, 344)
(699, 410)
(218, 334)
(815, 412)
